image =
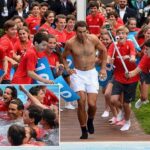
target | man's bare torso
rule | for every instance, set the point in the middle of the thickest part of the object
(83, 53)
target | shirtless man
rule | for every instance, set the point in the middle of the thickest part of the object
(84, 77)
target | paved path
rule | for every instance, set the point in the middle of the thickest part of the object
(70, 130)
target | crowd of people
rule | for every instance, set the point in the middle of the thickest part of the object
(33, 121)
(37, 29)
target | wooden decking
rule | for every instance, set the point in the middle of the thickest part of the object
(70, 129)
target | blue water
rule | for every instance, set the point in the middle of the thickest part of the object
(54, 88)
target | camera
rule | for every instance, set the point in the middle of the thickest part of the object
(108, 27)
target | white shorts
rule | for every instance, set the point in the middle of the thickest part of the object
(85, 81)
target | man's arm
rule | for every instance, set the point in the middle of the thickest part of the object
(34, 76)
(134, 72)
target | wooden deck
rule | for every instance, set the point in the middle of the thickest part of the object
(70, 129)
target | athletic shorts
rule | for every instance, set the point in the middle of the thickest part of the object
(145, 77)
(85, 81)
(128, 90)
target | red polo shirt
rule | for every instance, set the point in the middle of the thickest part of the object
(28, 62)
(2, 56)
(95, 23)
(33, 23)
(8, 47)
(60, 35)
(47, 28)
(21, 48)
(126, 48)
(50, 98)
(144, 64)
(69, 35)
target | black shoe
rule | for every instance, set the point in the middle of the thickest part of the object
(90, 126)
(84, 136)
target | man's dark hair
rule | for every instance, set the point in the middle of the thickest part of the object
(80, 24)
(17, 134)
(112, 13)
(39, 37)
(43, 4)
(93, 4)
(46, 14)
(60, 16)
(14, 91)
(18, 102)
(50, 117)
(34, 90)
(147, 43)
(9, 24)
(70, 17)
(34, 4)
(35, 112)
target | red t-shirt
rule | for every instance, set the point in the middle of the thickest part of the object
(8, 47)
(50, 98)
(2, 56)
(69, 35)
(144, 64)
(47, 28)
(52, 58)
(61, 36)
(28, 62)
(95, 23)
(3, 106)
(33, 23)
(21, 48)
(119, 73)
(120, 21)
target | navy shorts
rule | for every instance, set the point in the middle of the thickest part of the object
(145, 77)
(128, 90)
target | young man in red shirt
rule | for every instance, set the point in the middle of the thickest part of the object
(25, 72)
(121, 84)
(34, 19)
(69, 30)
(7, 41)
(95, 20)
(60, 22)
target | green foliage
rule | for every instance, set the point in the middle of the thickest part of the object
(1, 32)
(143, 114)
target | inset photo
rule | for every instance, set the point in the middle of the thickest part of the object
(29, 115)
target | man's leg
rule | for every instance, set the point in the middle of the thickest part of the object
(82, 115)
(92, 98)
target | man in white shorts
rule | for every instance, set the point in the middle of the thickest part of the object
(84, 78)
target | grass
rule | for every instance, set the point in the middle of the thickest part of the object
(142, 114)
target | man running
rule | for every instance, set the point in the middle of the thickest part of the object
(84, 77)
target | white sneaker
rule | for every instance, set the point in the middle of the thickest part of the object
(120, 115)
(146, 101)
(61, 109)
(138, 104)
(69, 106)
(126, 126)
(105, 114)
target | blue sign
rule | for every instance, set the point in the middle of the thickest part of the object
(65, 91)
(1, 72)
(109, 70)
(131, 36)
(43, 70)
(70, 62)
